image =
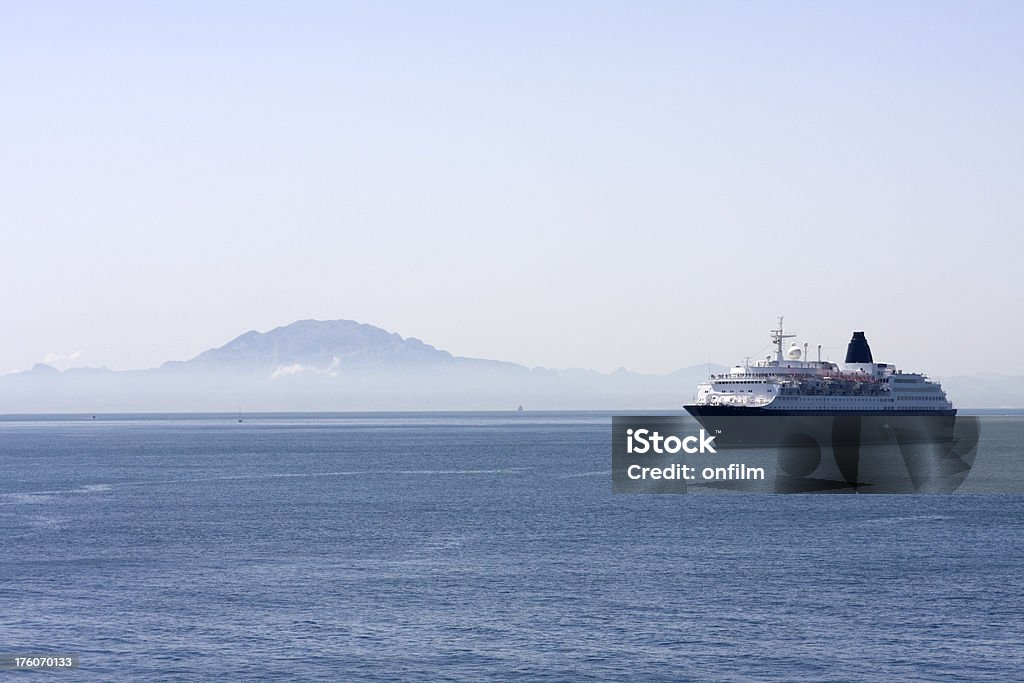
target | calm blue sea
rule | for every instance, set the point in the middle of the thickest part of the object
(469, 547)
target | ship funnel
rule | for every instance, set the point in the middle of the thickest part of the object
(858, 351)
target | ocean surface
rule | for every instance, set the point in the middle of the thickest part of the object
(470, 547)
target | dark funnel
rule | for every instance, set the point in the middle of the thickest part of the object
(858, 351)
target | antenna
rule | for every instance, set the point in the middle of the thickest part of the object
(777, 337)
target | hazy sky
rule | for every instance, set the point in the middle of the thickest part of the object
(591, 184)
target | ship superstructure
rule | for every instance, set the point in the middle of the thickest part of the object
(791, 384)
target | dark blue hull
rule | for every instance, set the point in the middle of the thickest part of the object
(927, 450)
(744, 426)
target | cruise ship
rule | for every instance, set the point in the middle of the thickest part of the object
(790, 384)
(851, 426)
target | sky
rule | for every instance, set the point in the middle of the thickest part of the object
(562, 184)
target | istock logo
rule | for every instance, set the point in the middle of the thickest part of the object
(653, 442)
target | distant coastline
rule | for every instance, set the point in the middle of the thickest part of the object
(346, 366)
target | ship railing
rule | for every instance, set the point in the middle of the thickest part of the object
(739, 400)
(753, 375)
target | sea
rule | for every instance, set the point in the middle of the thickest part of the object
(472, 547)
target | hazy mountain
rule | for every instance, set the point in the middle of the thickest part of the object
(329, 365)
(318, 344)
(985, 390)
(338, 365)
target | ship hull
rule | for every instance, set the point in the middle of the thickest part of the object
(747, 426)
(886, 451)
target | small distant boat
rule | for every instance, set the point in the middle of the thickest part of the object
(239, 414)
(519, 409)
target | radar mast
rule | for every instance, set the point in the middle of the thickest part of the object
(777, 339)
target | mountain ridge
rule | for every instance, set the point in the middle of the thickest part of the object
(337, 365)
(347, 365)
(315, 343)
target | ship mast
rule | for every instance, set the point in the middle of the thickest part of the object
(777, 337)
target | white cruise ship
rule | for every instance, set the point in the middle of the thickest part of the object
(791, 384)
